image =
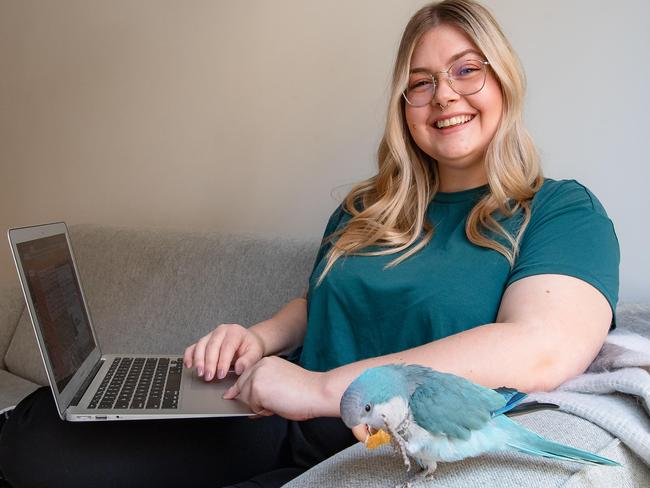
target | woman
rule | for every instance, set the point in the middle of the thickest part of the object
(493, 268)
(457, 255)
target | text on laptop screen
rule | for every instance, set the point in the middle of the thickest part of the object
(60, 312)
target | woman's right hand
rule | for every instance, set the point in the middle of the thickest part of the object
(225, 344)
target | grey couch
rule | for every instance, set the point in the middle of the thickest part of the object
(158, 291)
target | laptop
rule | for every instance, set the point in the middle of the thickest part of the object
(87, 384)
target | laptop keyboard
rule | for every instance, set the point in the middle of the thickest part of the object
(140, 383)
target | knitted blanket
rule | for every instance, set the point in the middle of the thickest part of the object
(614, 392)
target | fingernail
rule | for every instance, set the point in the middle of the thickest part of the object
(208, 376)
(220, 373)
(238, 369)
(199, 371)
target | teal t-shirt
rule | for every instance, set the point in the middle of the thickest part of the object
(362, 310)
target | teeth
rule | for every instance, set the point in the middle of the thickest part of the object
(459, 119)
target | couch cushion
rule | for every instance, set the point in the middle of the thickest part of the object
(23, 357)
(635, 474)
(361, 467)
(158, 291)
(12, 305)
(13, 389)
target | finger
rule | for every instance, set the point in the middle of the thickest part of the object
(187, 357)
(246, 360)
(199, 354)
(236, 389)
(232, 392)
(225, 357)
(212, 353)
(263, 413)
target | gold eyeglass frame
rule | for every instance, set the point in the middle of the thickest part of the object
(450, 82)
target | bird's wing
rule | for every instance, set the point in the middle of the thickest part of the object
(446, 404)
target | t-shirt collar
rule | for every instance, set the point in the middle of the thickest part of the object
(472, 194)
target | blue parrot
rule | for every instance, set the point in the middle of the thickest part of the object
(433, 416)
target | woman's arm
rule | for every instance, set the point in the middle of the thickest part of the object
(285, 331)
(549, 328)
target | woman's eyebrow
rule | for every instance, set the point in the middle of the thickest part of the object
(449, 61)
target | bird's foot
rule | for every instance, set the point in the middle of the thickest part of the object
(423, 475)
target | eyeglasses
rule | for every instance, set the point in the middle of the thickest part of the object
(465, 77)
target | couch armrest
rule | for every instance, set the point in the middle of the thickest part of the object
(12, 304)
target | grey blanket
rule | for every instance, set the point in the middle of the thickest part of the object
(614, 392)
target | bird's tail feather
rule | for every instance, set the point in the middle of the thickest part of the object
(528, 407)
(554, 450)
(529, 442)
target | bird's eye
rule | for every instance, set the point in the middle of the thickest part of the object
(368, 407)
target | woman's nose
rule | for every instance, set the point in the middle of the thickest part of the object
(443, 93)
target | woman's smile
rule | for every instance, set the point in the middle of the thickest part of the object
(450, 124)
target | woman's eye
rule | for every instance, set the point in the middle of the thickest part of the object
(465, 69)
(420, 85)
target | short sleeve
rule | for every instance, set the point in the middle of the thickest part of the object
(335, 220)
(570, 234)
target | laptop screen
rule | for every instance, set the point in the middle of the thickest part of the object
(55, 291)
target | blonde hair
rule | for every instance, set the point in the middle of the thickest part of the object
(394, 201)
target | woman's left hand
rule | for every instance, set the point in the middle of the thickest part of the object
(276, 386)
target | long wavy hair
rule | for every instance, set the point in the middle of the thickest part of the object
(393, 203)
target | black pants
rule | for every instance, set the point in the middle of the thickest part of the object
(38, 449)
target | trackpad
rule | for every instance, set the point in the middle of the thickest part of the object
(202, 396)
(198, 383)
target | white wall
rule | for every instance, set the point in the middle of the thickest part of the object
(246, 115)
(588, 105)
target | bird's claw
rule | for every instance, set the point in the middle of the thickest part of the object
(423, 475)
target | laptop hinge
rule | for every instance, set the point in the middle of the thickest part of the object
(84, 386)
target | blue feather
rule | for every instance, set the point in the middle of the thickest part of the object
(512, 396)
(529, 442)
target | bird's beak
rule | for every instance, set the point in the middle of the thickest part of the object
(371, 438)
(363, 431)
(360, 432)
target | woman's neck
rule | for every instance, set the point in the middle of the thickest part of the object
(462, 177)
(453, 185)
